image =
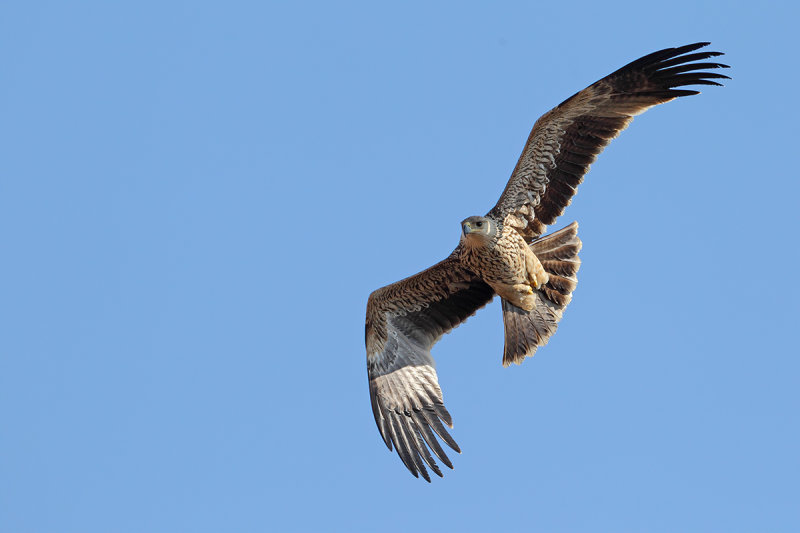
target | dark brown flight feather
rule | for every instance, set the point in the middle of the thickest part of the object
(404, 321)
(565, 141)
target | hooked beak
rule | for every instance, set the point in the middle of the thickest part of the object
(466, 227)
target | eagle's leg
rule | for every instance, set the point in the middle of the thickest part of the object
(521, 295)
(536, 273)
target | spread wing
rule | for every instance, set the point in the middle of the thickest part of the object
(568, 138)
(404, 321)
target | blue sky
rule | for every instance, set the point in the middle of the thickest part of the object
(197, 198)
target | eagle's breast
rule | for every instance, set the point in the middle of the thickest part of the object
(500, 260)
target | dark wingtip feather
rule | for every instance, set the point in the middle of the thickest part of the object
(421, 452)
(433, 421)
(416, 453)
(688, 58)
(401, 446)
(444, 414)
(689, 67)
(427, 433)
(662, 56)
(691, 47)
(665, 70)
(380, 420)
(412, 434)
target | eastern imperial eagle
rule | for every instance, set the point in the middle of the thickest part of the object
(504, 253)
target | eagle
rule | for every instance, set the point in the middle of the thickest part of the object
(506, 253)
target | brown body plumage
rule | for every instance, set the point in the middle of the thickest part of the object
(504, 253)
(503, 260)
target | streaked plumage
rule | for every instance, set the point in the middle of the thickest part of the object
(504, 253)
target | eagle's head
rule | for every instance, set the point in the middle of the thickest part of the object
(478, 230)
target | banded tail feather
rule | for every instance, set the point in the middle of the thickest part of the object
(525, 331)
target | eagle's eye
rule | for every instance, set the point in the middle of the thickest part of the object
(479, 224)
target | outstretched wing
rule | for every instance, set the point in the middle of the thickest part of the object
(568, 138)
(404, 321)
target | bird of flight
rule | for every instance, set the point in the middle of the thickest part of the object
(504, 253)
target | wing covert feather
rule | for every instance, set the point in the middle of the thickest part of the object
(404, 321)
(566, 140)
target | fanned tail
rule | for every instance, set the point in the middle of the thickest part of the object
(526, 331)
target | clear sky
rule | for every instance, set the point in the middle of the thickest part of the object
(197, 198)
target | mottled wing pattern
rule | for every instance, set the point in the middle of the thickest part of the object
(567, 139)
(404, 321)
